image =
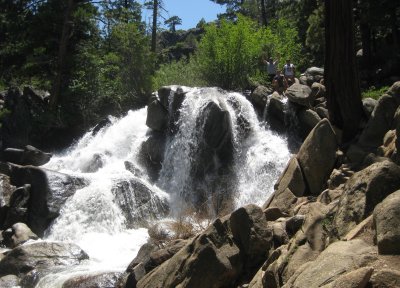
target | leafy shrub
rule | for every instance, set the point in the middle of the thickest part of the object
(374, 93)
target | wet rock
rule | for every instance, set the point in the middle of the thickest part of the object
(102, 280)
(157, 116)
(102, 124)
(18, 234)
(260, 96)
(18, 206)
(152, 153)
(94, 164)
(41, 255)
(387, 222)
(139, 201)
(48, 192)
(133, 169)
(27, 156)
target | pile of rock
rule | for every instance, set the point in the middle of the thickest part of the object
(331, 222)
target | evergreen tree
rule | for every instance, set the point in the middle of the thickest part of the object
(172, 22)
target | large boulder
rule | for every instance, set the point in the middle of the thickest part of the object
(312, 74)
(152, 153)
(260, 96)
(369, 105)
(308, 119)
(27, 156)
(276, 110)
(387, 224)
(211, 258)
(364, 190)
(100, 280)
(41, 256)
(157, 116)
(9, 281)
(17, 208)
(18, 234)
(382, 119)
(317, 156)
(252, 234)
(292, 178)
(300, 94)
(140, 203)
(340, 257)
(48, 192)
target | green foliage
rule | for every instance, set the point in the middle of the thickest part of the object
(281, 41)
(180, 72)
(228, 55)
(315, 38)
(374, 93)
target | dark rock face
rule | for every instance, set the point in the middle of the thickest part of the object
(102, 280)
(41, 256)
(157, 116)
(48, 192)
(139, 202)
(152, 153)
(18, 234)
(28, 156)
(17, 209)
(260, 96)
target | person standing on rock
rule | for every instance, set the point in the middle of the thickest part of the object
(279, 82)
(271, 68)
(289, 72)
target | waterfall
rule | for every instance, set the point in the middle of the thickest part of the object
(106, 217)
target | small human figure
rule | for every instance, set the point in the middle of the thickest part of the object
(271, 67)
(289, 71)
(279, 82)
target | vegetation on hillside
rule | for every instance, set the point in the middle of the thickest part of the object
(100, 58)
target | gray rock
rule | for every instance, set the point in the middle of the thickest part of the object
(94, 164)
(157, 116)
(340, 257)
(380, 122)
(308, 119)
(164, 94)
(101, 280)
(385, 278)
(322, 112)
(48, 192)
(18, 206)
(273, 213)
(300, 94)
(364, 190)
(387, 224)
(276, 108)
(369, 105)
(260, 96)
(40, 255)
(252, 233)
(27, 156)
(292, 178)
(211, 257)
(9, 281)
(19, 234)
(139, 202)
(317, 90)
(317, 156)
(354, 279)
(152, 153)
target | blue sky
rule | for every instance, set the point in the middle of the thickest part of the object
(190, 11)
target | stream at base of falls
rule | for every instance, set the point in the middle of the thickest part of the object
(109, 217)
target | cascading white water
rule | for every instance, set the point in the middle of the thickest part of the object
(93, 217)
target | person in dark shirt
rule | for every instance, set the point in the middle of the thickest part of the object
(279, 82)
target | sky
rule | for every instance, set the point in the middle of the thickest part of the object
(190, 11)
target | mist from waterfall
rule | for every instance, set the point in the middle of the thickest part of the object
(94, 218)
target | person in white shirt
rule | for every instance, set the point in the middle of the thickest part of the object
(289, 72)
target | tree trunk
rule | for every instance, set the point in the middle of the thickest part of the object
(154, 28)
(264, 19)
(341, 74)
(62, 53)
